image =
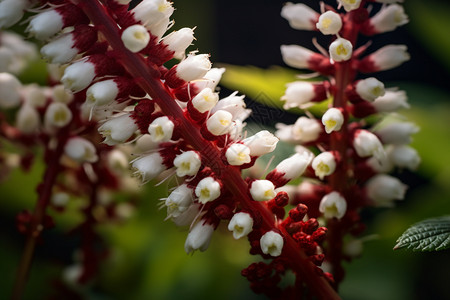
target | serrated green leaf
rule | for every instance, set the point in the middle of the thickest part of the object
(428, 235)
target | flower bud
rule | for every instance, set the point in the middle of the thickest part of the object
(383, 189)
(58, 115)
(193, 67)
(391, 101)
(60, 50)
(296, 56)
(234, 105)
(385, 58)
(179, 201)
(261, 143)
(9, 91)
(135, 38)
(324, 164)
(238, 154)
(102, 92)
(187, 163)
(333, 205)
(34, 95)
(350, 5)
(301, 93)
(262, 190)
(188, 216)
(161, 129)
(397, 133)
(290, 168)
(329, 23)
(178, 41)
(205, 100)
(153, 13)
(387, 19)
(27, 119)
(117, 130)
(241, 224)
(78, 75)
(207, 190)
(272, 243)
(219, 123)
(60, 94)
(299, 16)
(80, 150)
(148, 167)
(341, 50)
(332, 119)
(306, 130)
(370, 88)
(11, 11)
(45, 24)
(404, 156)
(367, 144)
(199, 237)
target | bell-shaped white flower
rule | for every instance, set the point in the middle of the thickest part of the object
(397, 133)
(45, 24)
(324, 164)
(298, 94)
(240, 224)
(205, 100)
(404, 156)
(60, 94)
(178, 41)
(262, 190)
(333, 205)
(332, 119)
(329, 23)
(9, 91)
(389, 18)
(383, 189)
(148, 167)
(154, 14)
(179, 201)
(261, 143)
(219, 123)
(295, 165)
(102, 92)
(234, 105)
(60, 50)
(370, 88)
(57, 115)
(272, 243)
(238, 154)
(306, 130)
(118, 161)
(207, 190)
(211, 78)
(193, 67)
(341, 50)
(299, 16)
(81, 150)
(367, 144)
(27, 119)
(350, 5)
(117, 130)
(11, 11)
(135, 38)
(78, 75)
(391, 101)
(388, 57)
(296, 56)
(199, 237)
(161, 129)
(187, 163)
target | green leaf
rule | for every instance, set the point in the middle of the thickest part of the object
(428, 235)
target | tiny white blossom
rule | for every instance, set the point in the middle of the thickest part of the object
(341, 50)
(193, 67)
(205, 100)
(272, 243)
(161, 129)
(187, 163)
(261, 143)
(81, 150)
(262, 190)
(178, 41)
(60, 94)
(234, 105)
(135, 38)
(333, 205)
(391, 101)
(118, 129)
(207, 190)
(370, 88)
(306, 130)
(295, 165)
(350, 5)
(238, 154)
(148, 167)
(332, 119)
(102, 92)
(78, 75)
(389, 18)
(9, 90)
(404, 156)
(240, 224)
(117, 161)
(211, 78)
(383, 189)
(329, 23)
(154, 15)
(219, 123)
(35, 95)
(179, 201)
(188, 216)
(367, 144)
(45, 24)
(298, 94)
(397, 133)
(296, 56)
(389, 57)
(324, 164)
(27, 119)
(299, 16)
(60, 50)
(11, 11)
(199, 237)
(57, 114)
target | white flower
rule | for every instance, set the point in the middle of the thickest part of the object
(27, 119)
(298, 94)
(389, 18)
(81, 150)
(341, 50)
(199, 237)
(45, 24)
(324, 164)
(117, 130)
(102, 92)
(57, 114)
(383, 189)
(187, 163)
(135, 38)
(241, 224)
(188, 216)
(299, 16)
(178, 41)
(397, 133)
(161, 129)
(207, 190)
(367, 144)
(329, 23)
(295, 165)
(11, 11)
(34, 95)
(193, 67)
(78, 75)
(60, 94)
(388, 57)
(370, 88)
(145, 144)
(272, 243)
(154, 15)
(234, 105)
(333, 205)
(261, 143)
(60, 50)
(296, 56)
(148, 167)
(332, 119)
(211, 78)
(9, 91)
(219, 123)
(262, 190)
(350, 5)
(391, 101)
(117, 161)
(179, 201)
(404, 156)
(306, 130)
(238, 154)
(205, 100)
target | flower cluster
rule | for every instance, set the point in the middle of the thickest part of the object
(353, 154)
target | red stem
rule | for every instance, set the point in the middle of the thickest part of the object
(150, 83)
